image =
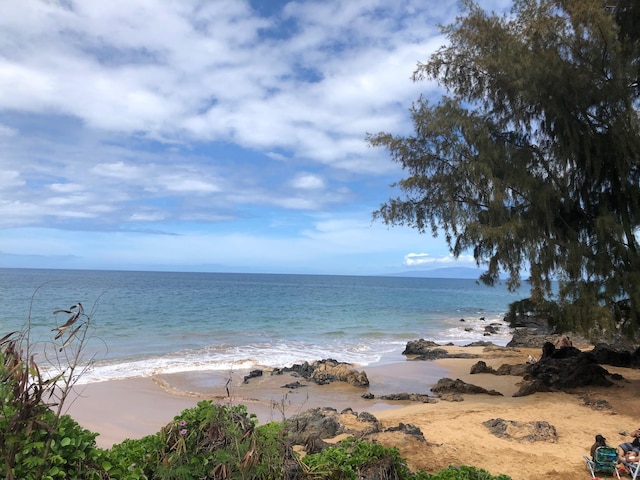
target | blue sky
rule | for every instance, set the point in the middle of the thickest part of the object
(221, 135)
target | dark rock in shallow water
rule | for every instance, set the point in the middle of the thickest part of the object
(252, 374)
(428, 350)
(432, 354)
(418, 347)
(332, 371)
(326, 371)
(303, 370)
(440, 353)
(492, 329)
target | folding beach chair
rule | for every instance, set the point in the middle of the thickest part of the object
(634, 469)
(604, 461)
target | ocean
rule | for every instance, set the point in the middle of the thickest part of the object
(145, 323)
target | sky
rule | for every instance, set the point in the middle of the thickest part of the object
(219, 135)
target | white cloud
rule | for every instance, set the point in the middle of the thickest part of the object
(308, 181)
(169, 70)
(189, 184)
(425, 259)
(147, 216)
(10, 178)
(66, 187)
(128, 112)
(118, 170)
(6, 131)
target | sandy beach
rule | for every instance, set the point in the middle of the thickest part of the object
(454, 431)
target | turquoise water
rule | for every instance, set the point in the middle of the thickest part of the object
(165, 322)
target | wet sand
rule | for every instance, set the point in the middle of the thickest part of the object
(132, 408)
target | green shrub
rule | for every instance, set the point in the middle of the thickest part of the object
(546, 310)
(207, 441)
(461, 473)
(35, 442)
(72, 453)
(350, 458)
(134, 459)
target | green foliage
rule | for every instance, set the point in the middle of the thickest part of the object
(134, 459)
(461, 473)
(537, 308)
(350, 458)
(207, 441)
(24, 417)
(532, 159)
(72, 453)
(36, 441)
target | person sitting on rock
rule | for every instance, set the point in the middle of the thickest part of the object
(600, 442)
(630, 451)
(564, 341)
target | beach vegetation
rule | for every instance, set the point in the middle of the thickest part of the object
(351, 458)
(224, 441)
(461, 472)
(531, 158)
(37, 440)
(355, 459)
(542, 309)
(208, 441)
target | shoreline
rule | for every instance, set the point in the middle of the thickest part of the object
(454, 431)
(135, 407)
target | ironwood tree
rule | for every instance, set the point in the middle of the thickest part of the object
(531, 158)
